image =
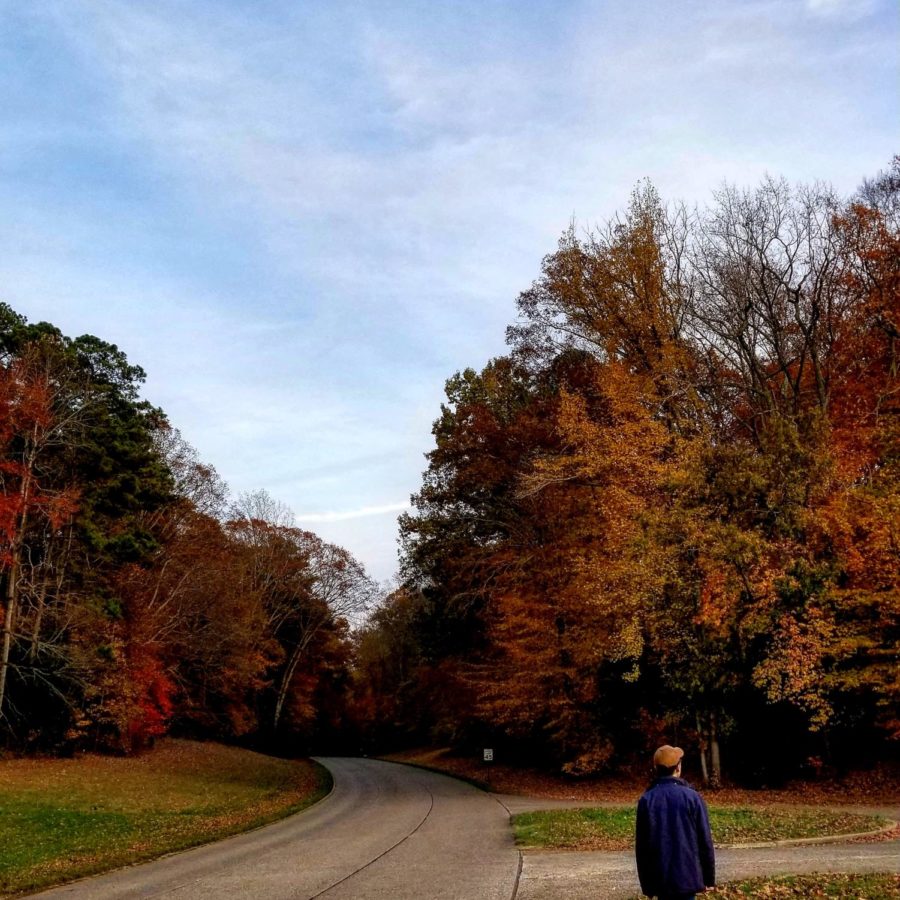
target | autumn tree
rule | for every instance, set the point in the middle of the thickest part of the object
(304, 585)
(34, 422)
(132, 600)
(679, 492)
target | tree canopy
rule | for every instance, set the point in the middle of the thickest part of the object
(672, 508)
(135, 598)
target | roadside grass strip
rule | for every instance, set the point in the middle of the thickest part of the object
(62, 819)
(845, 887)
(613, 828)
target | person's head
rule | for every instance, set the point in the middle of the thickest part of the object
(667, 761)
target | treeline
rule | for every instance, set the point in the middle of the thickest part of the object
(671, 512)
(136, 597)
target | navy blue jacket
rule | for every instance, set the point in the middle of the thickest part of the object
(673, 843)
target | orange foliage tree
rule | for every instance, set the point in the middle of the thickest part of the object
(678, 496)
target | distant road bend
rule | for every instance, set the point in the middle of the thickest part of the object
(386, 831)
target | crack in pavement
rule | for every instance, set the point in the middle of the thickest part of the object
(380, 855)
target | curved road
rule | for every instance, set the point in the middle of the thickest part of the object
(392, 831)
(386, 831)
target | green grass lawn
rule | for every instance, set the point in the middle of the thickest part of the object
(62, 819)
(844, 887)
(613, 828)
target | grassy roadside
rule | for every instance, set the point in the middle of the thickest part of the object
(841, 887)
(613, 828)
(65, 818)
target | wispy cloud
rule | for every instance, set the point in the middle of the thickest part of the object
(363, 512)
(844, 9)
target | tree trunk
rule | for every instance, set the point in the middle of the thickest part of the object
(704, 768)
(715, 779)
(12, 590)
(38, 621)
(307, 634)
(9, 616)
(286, 679)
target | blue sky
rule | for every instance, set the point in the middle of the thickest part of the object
(301, 218)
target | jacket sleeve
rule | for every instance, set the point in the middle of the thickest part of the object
(705, 845)
(642, 854)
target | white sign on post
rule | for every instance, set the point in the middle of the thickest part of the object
(488, 755)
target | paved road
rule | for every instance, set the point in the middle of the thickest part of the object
(391, 831)
(386, 831)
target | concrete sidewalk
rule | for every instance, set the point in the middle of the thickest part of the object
(588, 876)
(573, 875)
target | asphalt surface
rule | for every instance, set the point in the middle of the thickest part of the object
(386, 831)
(392, 831)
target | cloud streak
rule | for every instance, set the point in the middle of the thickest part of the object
(846, 9)
(363, 512)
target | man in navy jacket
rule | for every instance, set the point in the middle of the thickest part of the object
(673, 843)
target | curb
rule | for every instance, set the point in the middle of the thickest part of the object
(761, 845)
(324, 796)
(890, 825)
